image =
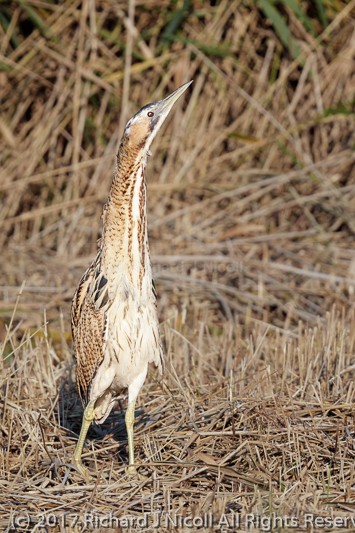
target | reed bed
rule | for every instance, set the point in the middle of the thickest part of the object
(251, 203)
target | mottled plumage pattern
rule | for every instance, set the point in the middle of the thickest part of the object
(114, 319)
(114, 307)
(89, 322)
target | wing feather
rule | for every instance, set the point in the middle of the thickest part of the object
(89, 325)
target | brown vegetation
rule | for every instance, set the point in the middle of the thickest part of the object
(251, 199)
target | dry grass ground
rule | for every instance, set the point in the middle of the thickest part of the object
(251, 196)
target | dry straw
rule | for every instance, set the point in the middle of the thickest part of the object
(251, 198)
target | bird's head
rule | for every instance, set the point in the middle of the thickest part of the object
(142, 128)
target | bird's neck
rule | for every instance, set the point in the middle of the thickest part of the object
(124, 243)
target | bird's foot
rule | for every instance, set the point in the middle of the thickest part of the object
(79, 467)
(134, 474)
(132, 471)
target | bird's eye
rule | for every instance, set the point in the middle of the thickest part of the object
(150, 114)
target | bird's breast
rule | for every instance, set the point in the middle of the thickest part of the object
(133, 338)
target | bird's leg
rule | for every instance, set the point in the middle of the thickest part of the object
(87, 419)
(129, 418)
(133, 391)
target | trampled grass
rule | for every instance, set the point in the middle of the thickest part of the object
(251, 195)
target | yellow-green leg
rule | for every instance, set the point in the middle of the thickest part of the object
(133, 391)
(87, 419)
(129, 418)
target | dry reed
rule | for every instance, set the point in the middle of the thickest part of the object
(251, 197)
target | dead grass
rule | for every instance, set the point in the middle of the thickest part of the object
(251, 197)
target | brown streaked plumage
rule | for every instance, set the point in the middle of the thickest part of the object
(114, 320)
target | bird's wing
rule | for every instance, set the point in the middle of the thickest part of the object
(89, 324)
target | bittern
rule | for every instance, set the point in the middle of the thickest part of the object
(114, 318)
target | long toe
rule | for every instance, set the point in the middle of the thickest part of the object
(78, 465)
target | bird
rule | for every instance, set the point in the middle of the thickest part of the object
(114, 311)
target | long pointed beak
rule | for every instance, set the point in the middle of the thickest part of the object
(163, 107)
